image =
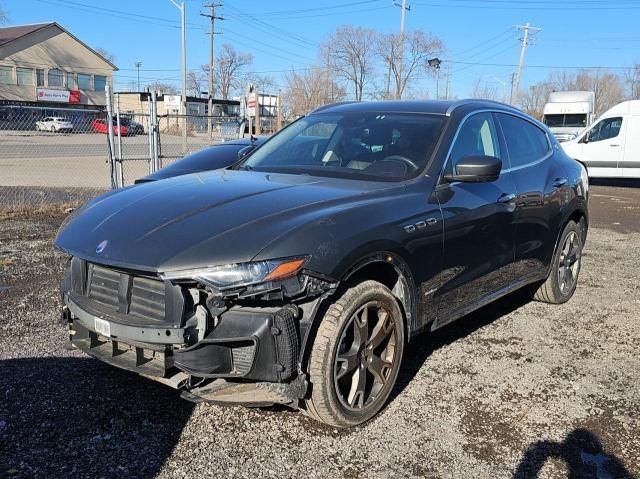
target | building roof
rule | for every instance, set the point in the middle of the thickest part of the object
(10, 34)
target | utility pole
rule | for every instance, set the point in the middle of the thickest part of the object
(212, 17)
(404, 8)
(447, 76)
(525, 41)
(183, 100)
(138, 65)
(511, 94)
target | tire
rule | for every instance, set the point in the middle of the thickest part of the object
(361, 336)
(565, 267)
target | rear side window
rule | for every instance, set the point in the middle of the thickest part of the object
(605, 129)
(525, 141)
(476, 137)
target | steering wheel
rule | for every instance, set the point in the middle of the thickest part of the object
(401, 158)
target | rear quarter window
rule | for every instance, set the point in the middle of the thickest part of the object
(526, 143)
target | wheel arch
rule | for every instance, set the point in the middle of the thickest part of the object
(386, 267)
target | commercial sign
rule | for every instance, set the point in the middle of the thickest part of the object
(58, 96)
(251, 104)
(172, 102)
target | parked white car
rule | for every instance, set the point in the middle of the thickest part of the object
(610, 148)
(55, 124)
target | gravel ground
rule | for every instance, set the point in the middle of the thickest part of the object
(518, 389)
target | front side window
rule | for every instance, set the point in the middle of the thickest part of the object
(6, 75)
(99, 82)
(525, 141)
(359, 145)
(605, 129)
(24, 76)
(56, 78)
(476, 137)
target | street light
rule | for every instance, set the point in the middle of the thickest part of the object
(138, 65)
(435, 63)
(183, 100)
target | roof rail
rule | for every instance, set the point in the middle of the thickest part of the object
(468, 101)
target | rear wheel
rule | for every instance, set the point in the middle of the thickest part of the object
(356, 356)
(565, 268)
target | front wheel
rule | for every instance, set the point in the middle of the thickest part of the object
(565, 267)
(356, 356)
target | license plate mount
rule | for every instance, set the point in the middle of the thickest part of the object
(102, 327)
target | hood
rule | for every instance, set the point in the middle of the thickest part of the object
(205, 219)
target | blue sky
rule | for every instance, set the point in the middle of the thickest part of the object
(285, 34)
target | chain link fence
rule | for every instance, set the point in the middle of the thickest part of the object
(58, 155)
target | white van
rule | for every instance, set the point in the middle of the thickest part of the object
(610, 148)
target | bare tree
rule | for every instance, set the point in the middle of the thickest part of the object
(533, 99)
(195, 83)
(106, 54)
(264, 84)
(308, 90)
(485, 90)
(4, 18)
(349, 53)
(417, 49)
(229, 70)
(607, 87)
(632, 80)
(162, 88)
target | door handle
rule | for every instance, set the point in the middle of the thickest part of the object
(558, 182)
(614, 145)
(506, 198)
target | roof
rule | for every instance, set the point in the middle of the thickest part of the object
(438, 107)
(10, 34)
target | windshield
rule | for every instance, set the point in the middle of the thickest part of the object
(360, 145)
(574, 120)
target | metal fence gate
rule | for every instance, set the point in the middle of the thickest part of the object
(141, 143)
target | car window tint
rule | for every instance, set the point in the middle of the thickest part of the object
(476, 137)
(526, 142)
(605, 129)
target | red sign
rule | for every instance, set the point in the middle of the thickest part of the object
(74, 96)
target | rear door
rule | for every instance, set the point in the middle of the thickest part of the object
(479, 228)
(542, 187)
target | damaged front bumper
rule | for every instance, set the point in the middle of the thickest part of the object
(249, 357)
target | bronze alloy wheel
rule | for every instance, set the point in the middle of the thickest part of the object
(356, 355)
(365, 356)
(569, 263)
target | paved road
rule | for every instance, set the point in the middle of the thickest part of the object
(76, 160)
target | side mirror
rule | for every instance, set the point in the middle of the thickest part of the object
(244, 152)
(476, 169)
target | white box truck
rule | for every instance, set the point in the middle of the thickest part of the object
(568, 113)
(610, 148)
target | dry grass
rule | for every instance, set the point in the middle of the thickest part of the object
(42, 210)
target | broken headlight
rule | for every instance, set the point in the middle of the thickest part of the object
(240, 274)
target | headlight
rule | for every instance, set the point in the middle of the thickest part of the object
(240, 274)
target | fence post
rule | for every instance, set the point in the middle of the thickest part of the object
(150, 133)
(120, 166)
(112, 153)
(154, 119)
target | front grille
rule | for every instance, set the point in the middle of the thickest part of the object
(147, 299)
(104, 286)
(131, 298)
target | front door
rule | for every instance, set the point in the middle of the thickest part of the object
(479, 228)
(602, 147)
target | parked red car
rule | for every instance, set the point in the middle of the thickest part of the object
(100, 126)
